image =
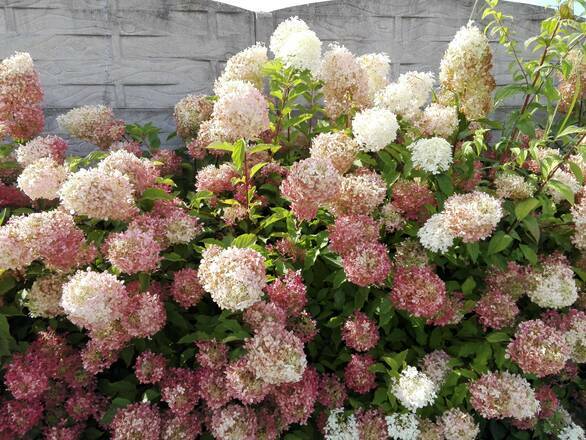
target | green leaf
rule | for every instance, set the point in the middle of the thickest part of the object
(244, 240)
(499, 242)
(572, 129)
(255, 169)
(563, 189)
(445, 184)
(156, 194)
(529, 253)
(495, 337)
(225, 146)
(532, 226)
(239, 154)
(263, 147)
(6, 340)
(524, 207)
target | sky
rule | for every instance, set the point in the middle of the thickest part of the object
(271, 5)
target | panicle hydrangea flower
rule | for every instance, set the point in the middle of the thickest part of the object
(391, 217)
(414, 389)
(96, 358)
(133, 147)
(93, 123)
(296, 45)
(234, 422)
(502, 394)
(179, 390)
(345, 82)
(310, 183)
(357, 376)
(235, 277)
(458, 425)
(513, 186)
(211, 354)
(189, 113)
(261, 313)
(184, 427)
(554, 284)
(377, 67)
(167, 162)
(212, 387)
(548, 401)
(243, 384)
(303, 326)
(465, 73)
(539, 349)
(51, 146)
(276, 355)
(350, 230)
(42, 179)
(411, 197)
(296, 400)
(418, 290)
(435, 365)
(372, 424)
(360, 332)
(575, 334)
(438, 120)
(19, 82)
(25, 376)
(99, 195)
(360, 193)
(331, 391)
(93, 299)
(132, 251)
(23, 122)
(20, 416)
(407, 95)
(496, 310)
(572, 432)
(429, 430)
(374, 128)
(410, 253)
(403, 426)
(141, 172)
(367, 264)
(246, 65)
(473, 216)
(150, 367)
(341, 426)
(241, 111)
(288, 292)
(144, 315)
(567, 179)
(137, 420)
(44, 297)
(215, 179)
(515, 280)
(11, 196)
(179, 226)
(186, 288)
(433, 155)
(568, 86)
(61, 432)
(338, 147)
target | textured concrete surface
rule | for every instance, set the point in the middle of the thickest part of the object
(142, 56)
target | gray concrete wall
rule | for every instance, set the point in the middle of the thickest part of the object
(142, 56)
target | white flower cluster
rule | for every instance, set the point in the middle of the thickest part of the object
(20, 63)
(38, 148)
(512, 186)
(458, 425)
(92, 299)
(338, 147)
(433, 155)
(296, 45)
(554, 287)
(341, 426)
(403, 426)
(42, 179)
(44, 297)
(235, 277)
(434, 234)
(140, 171)
(572, 432)
(438, 120)
(414, 389)
(375, 128)
(566, 179)
(377, 67)
(406, 96)
(246, 65)
(99, 195)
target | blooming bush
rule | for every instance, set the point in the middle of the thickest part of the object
(330, 254)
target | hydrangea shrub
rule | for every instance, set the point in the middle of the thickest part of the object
(331, 253)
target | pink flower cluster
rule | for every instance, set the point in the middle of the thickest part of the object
(418, 290)
(360, 332)
(21, 115)
(496, 310)
(47, 378)
(93, 123)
